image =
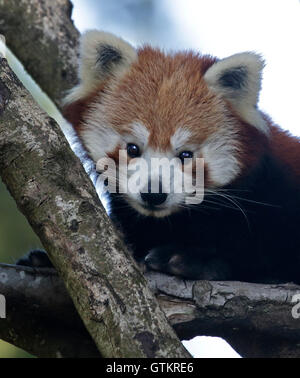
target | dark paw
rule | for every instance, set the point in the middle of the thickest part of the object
(35, 259)
(187, 262)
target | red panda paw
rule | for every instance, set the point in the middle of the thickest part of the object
(187, 262)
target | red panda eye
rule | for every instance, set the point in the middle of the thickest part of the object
(186, 155)
(133, 150)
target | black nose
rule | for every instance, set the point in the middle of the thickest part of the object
(154, 199)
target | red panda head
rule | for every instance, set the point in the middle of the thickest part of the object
(156, 105)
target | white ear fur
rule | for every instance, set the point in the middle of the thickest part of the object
(238, 79)
(101, 55)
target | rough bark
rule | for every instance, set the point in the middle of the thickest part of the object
(255, 319)
(42, 36)
(233, 310)
(40, 315)
(53, 191)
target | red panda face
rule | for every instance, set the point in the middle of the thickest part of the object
(152, 106)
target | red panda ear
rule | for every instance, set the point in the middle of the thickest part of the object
(102, 55)
(238, 79)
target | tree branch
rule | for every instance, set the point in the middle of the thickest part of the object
(41, 317)
(194, 308)
(55, 194)
(42, 36)
(255, 319)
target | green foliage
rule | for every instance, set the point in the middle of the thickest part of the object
(10, 351)
(16, 236)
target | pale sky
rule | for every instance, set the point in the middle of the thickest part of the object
(223, 28)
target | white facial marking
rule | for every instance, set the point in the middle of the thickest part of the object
(99, 139)
(164, 168)
(139, 134)
(180, 138)
(219, 152)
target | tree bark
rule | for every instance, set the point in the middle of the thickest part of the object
(233, 310)
(53, 191)
(42, 36)
(255, 319)
(40, 315)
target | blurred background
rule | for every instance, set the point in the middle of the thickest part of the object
(216, 27)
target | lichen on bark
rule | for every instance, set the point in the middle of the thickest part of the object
(51, 188)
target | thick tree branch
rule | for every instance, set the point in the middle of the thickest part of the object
(255, 319)
(42, 36)
(53, 191)
(40, 315)
(228, 309)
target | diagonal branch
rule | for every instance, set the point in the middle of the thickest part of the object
(58, 199)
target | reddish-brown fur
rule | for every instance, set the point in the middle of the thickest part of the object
(146, 94)
(75, 111)
(286, 148)
(247, 230)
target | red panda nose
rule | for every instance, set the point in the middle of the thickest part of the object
(154, 199)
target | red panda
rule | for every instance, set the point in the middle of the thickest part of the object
(187, 106)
